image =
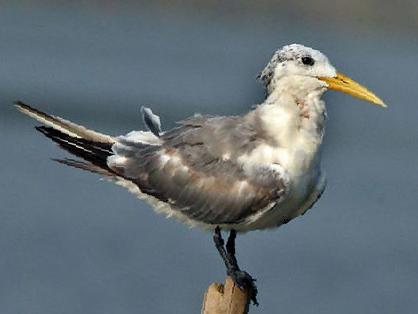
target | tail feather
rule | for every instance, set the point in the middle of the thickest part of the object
(87, 166)
(93, 152)
(91, 146)
(63, 125)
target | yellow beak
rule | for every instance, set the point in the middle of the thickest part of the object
(347, 85)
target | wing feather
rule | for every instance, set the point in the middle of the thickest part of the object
(195, 170)
(62, 125)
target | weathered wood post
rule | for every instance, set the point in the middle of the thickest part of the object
(225, 299)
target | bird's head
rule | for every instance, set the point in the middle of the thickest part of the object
(299, 67)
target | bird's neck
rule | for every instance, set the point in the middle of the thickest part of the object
(293, 113)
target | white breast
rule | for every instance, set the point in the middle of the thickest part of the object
(296, 148)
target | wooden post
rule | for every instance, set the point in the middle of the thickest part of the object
(225, 299)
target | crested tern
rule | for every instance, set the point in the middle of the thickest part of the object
(237, 173)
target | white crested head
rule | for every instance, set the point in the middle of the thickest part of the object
(298, 61)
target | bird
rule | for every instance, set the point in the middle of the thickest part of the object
(236, 173)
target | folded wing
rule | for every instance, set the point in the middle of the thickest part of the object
(195, 171)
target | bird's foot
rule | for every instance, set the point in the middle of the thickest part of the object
(241, 278)
(245, 281)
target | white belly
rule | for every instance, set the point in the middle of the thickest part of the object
(297, 202)
(301, 167)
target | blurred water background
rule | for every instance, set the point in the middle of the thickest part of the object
(70, 243)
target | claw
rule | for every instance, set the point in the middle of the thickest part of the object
(245, 281)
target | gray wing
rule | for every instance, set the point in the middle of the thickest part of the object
(195, 170)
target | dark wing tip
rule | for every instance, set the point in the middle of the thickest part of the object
(84, 166)
(42, 129)
(26, 109)
(20, 104)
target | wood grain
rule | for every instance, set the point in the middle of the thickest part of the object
(225, 299)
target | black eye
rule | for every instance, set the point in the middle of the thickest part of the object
(308, 61)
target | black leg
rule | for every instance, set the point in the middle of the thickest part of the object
(230, 244)
(241, 278)
(219, 243)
